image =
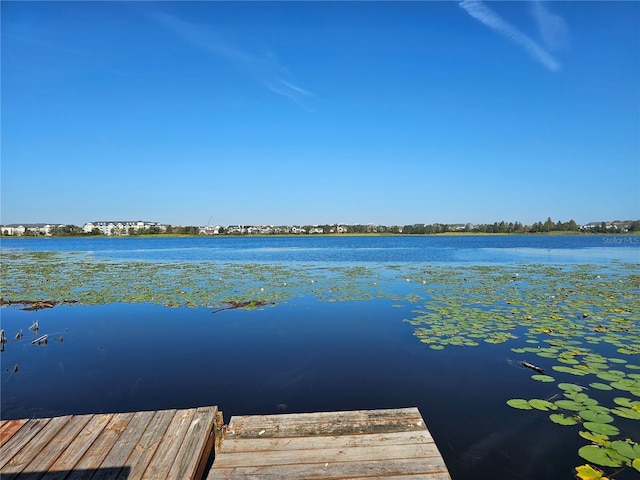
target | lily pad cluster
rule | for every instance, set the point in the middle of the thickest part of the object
(576, 407)
(566, 316)
(94, 281)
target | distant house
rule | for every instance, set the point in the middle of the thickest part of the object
(121, 227)
(591, 225)
(19, 229)
(457, 226)
(620, 226)
(236, 229)
(209, 230)
(623, 226)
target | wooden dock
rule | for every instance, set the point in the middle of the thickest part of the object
(179, 444)
(164, 444)
(390, 444)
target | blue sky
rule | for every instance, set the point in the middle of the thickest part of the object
(320, 112)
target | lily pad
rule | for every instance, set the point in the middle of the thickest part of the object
(519, 403)
(617, 360)
(627, 449)
(604, 428)
(543, 378)
(568, 360)
(572, 371)
(587, 472)
(543, 405)
(562, 420)
(623, 385)
(584, 399)
(600, 386)
(591, 416)
(600, 455)
(625, 412)
(598, 408)
(598, 438)
(570, 387)
(626, 402)
(569, 405)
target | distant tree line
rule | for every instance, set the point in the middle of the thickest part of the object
(517, 227)
(416, 229)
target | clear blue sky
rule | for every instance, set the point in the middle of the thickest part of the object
(320, 112)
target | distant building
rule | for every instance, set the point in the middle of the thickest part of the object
(121, 227)
(457, 226)
(591, 225)
(19, 229)
(209, 230)
(620, 226)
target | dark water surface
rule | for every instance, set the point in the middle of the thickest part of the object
(305, 355)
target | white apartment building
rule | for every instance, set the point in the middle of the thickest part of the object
(121, 227)
(19, 229)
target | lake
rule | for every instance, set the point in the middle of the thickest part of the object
(342, 323)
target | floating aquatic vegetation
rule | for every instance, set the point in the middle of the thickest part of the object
(569, 310)
(600, 455)
(593, 416)
(519, 403)
(543, 405)
(93, 281)
(587, 472)
(543, 378)
(565, 316)
(560, 419)
(613, 454)
(604, 428)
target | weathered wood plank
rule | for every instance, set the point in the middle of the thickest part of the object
(326, 423)
(163, 444)
(219, 432)
(78, 447)
(127, 441)
(33, 448)
(94, 456)
(334, 455)
(162, 461)
(143, 452)
(197, 439)
(48, 455)
(432, 468)
(393, 414)
(20, 438)
(392, 443)
(234, 445)
(9, 428)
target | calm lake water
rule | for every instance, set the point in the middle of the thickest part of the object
(306, 354)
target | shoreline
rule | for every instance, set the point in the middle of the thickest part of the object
(321, 235)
